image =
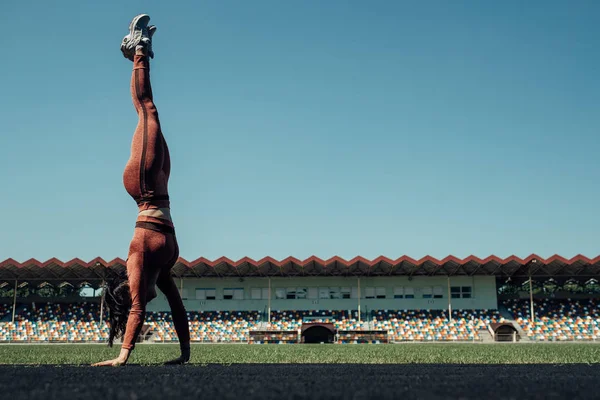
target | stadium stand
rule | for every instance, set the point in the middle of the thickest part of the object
(558, 320)
(234, 326)
(292, 320)
(80, 322)
(387, 284)
(425, 325)
(212, 326)
(56, 323)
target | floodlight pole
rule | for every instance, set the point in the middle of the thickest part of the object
(102, 303)
(449, 301)
(531, 295)
(14, 302)
(359, 300)
(269, 304)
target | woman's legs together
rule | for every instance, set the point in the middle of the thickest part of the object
(153, 250)
(152, 253)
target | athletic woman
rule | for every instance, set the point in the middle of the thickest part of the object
(153, 250)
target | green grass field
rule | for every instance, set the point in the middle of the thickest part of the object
(148, 354)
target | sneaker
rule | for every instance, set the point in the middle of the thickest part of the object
(147, 40)
(137, 28)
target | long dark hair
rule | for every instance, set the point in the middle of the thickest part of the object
(117, 300)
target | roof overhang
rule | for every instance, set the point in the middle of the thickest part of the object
(77, 271)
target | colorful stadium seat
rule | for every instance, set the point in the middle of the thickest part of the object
(56, 323)
(558, 320)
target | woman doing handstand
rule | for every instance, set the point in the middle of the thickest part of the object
(153, 250)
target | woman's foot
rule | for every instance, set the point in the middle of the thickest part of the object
(184, 358)
(139, 36)
(178, 361)
(147, 41)
(144, 48)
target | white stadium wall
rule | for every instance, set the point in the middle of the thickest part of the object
(326, 293)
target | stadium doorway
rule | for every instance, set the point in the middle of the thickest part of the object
(317, 333)
(505, 332)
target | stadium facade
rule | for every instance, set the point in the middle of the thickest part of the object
(313, 284)
(407, 299)
(334, 293)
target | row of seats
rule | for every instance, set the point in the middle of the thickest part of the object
(402, 325)
(558, 320)
(355, 338)
(555, 320)
(434, 325)
(56, 322)
(211, 326)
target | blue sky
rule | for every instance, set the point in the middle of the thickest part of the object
(310, 127)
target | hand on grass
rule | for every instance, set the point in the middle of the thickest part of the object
(117, 362)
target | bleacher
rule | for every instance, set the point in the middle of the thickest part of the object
(210, 326)
(289, 321)
(56, 323)
(403, 325)
(80, 322)
(223, 326)
(558, 320)
(292, 320)
(434, 325)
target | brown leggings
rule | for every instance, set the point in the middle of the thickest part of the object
(153, 250)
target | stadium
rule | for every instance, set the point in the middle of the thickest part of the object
(347, 130)
(319, 301)
(391, 326)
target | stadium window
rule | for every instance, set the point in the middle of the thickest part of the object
(369, 293)
(255, 294)
(265, 293)
(345, 293)
(380, 292)
(313, 293)
(458, 292)
(334, 292)
(409, 293)
(203, 294)
(398, 292)
(427, 292)
(301, 293)
(323, 292)
(290, 293)
(455, 292)
(438, 292)
(354, 292)
(211, 294)
(466, 292)
(238, 294)
(280, 293)
(227, 294)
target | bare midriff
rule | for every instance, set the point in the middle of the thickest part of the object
(160, 213)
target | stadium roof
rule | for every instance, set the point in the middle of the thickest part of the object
(77, 270)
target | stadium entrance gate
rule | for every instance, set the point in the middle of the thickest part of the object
(317, 332)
